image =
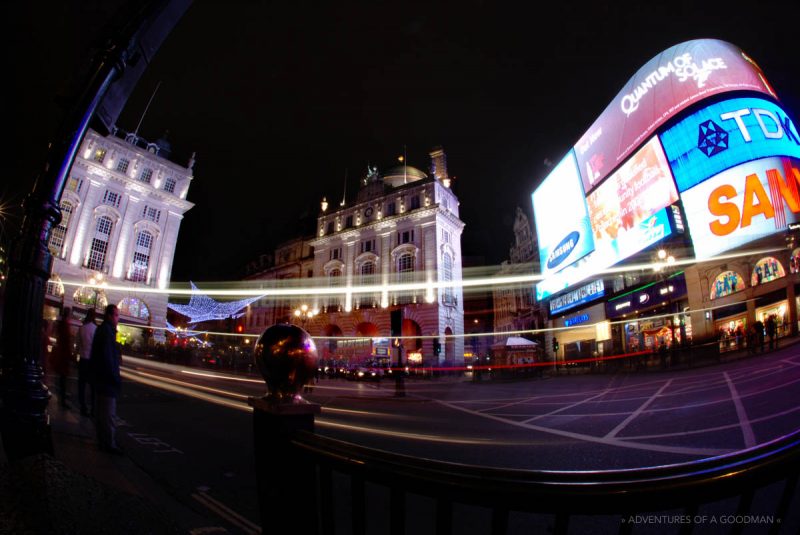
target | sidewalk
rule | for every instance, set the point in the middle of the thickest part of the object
(84, 490)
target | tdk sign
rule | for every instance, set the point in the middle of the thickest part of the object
(726, 134)
(562, 250)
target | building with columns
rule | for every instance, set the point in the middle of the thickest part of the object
(122, 209)
(403, 227)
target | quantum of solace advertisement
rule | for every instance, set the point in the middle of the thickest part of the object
(750, 201)
(636, 191)
(562, 221)
(727, 134)
(667, 84)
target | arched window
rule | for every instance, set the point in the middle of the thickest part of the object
(405, 274)
(726, 283)
(96, 259)
(59, 234)
(447, 276)
(54, 286)
(367, 270)
(766, 270)
(141, 257)
(134, 307)
(334, 281)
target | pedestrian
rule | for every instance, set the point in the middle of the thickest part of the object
(759, 326)
(105, 360)
(62, 355)
(85, 337)
(771, 331)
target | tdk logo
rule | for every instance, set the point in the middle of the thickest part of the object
(712, 139)
(563, 249)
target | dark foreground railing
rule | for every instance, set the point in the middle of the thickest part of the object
(312, 484)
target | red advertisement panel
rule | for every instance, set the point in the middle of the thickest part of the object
(667, 84)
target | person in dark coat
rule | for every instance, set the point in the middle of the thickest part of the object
(105, 361)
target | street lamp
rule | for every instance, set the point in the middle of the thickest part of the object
(305, 313)
(664, 262)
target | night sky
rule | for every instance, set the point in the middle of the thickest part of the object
(282, 100)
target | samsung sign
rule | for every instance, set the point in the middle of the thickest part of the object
(579, 296)
(726, 134)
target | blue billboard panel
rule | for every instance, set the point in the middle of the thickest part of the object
(609, 252)
(727, 134)
(562, 217)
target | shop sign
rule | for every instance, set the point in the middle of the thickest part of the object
(576, 320)
(579, 296)
(647, 297)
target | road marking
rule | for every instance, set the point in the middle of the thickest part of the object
(744, 423)
(227, 513)
(637, 412)
(707, 452)
(519, 401)
(149, 440)
(566, 407)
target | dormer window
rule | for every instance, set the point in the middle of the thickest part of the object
(146, 176)
(100, 155)
(169, 185)
(122, 165)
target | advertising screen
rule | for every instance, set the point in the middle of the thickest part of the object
(668, 83)
(645, 233)
(750, 201)
(727, 134)
(636, 191)
(562, 220)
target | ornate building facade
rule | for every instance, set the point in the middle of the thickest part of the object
(515, 307)
(393, 251)
(122, 209)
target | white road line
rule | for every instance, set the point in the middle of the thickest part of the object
(637, 412)
(227, 513)
(744, 423)
(567, 407)
(703, 452)
(791, 362)
(523, 400)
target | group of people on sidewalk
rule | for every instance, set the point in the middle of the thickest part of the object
(98, 370)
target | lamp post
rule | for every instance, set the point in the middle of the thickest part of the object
(664, 262)
(305, 313)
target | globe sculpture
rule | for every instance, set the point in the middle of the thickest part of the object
(286, 356)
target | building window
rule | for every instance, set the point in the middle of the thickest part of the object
(112, 199)
(58, 235)
(146, 176)
(405, 236)
(415, 202)
(445, 236)
(405, 274)
(348, 222)
(336, 254)
(100, 155)
(151, 213)
(169, 185)
(99, 246)
(367, 272)
(391, 209)
(74, 184)
(329, 228)
(141, 257)
(134, 308)
(368, 246)
(447, 276)
(334, 281)
(122, 165)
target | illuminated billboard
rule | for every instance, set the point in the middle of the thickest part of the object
(636, 191)
(645, 233)
(726, 134)
(737, 206)
(667, 84)
(561, 216)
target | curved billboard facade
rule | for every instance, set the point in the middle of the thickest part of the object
(733, 164)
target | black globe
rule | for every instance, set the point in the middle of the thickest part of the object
(286, 356)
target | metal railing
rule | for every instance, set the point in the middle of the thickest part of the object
(558, 495)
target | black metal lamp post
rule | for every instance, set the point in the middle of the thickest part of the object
(24, 421)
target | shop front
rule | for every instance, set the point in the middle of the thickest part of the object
(583, 334)
(647, 317)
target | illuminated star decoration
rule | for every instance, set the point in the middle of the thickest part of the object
(203, 308)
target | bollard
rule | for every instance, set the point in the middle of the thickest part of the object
(287, 482)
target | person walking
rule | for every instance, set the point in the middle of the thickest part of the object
(62, 355)
(105, 360)
(771, 331)
(85, 337)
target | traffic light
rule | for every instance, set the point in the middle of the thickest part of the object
(239, 328)
(437, 347)
(555, 344)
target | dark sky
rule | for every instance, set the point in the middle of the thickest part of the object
(281, 99)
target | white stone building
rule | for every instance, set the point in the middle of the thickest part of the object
(122, 209)
(403, 227)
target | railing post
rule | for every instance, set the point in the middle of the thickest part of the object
(287, 482)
